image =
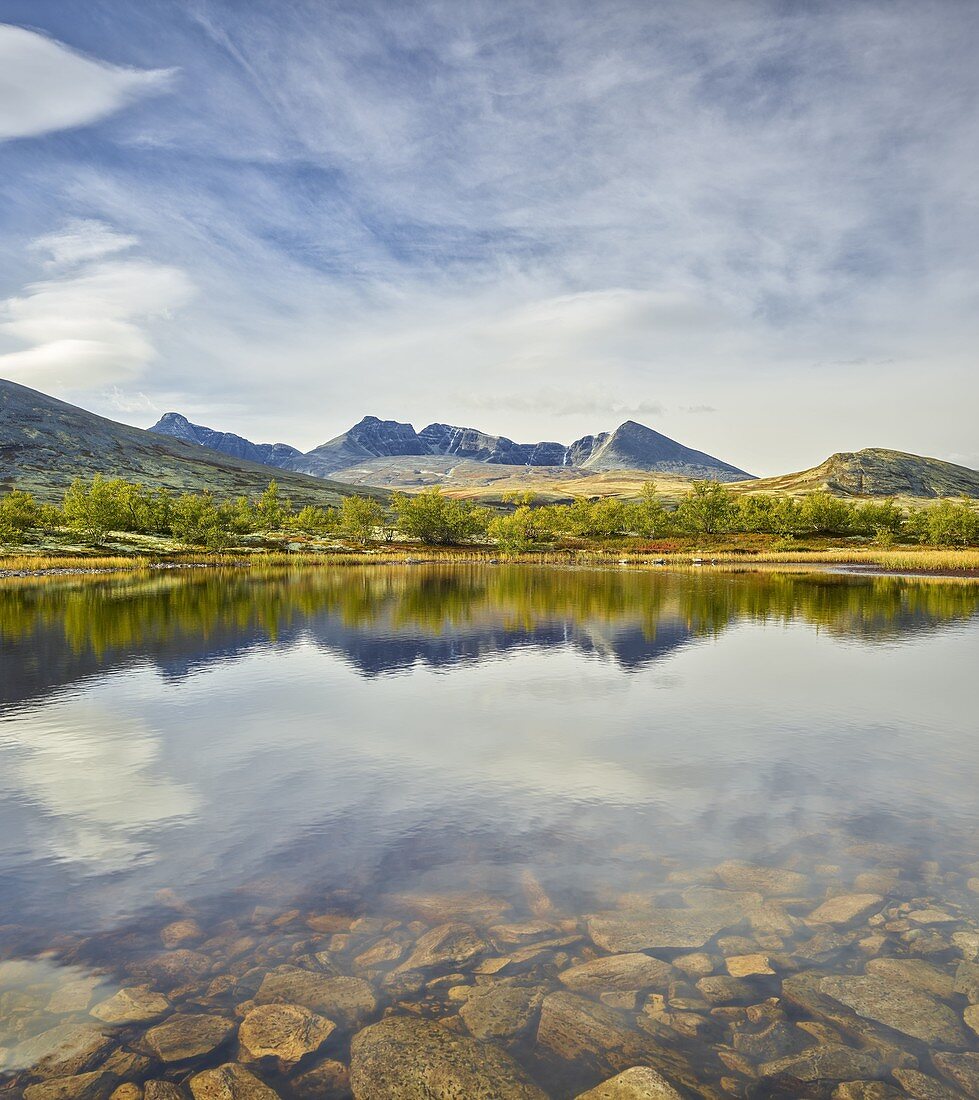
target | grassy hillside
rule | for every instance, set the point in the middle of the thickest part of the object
(487, 483)
(875, 472)
(45, 443)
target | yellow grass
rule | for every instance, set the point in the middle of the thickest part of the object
(907, 559)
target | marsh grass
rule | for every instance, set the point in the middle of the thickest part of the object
(902, 559)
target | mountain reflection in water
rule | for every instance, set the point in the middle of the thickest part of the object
(284, 753)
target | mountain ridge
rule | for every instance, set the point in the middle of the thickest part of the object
(629, 446)
(45, 443)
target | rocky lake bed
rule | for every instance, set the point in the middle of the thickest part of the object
(442, 833)
(742, 979)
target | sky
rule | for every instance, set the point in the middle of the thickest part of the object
(750, 224)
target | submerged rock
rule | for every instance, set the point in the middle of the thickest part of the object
(765, 880)
(62, 1051)
(632, 970)
(963, 1069)
(405, 1058)
(285, 1032)
(803, 991)
(74, 996)
(966, 981)
(914, 972)
(127, 1091)
(82, 1086)
(188, 1035)
(230, 1082)
(581, 1033)
(384, 951)
(845, 909)
(638, 1083)
(669, 929)
(181, 932)
(346, 1000)
(326, 1081)
(479, 907)
(162, 1090)
(501, 1011)
(173, 967)
(449, 945)
(832, 1062)
(898, 1006)
(922, 1087)
(133, 1005)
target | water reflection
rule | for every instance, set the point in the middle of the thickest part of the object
(404, 744)
(389, 619)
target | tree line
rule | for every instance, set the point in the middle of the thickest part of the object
(93, 510)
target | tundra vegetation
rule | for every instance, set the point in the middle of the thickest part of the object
(101, 508)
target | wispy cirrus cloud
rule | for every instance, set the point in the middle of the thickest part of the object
(47, 86)
(432, 210)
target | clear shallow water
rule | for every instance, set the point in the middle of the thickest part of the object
(486, 745)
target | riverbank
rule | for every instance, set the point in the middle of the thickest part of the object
(916, 560)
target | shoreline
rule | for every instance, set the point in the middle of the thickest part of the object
(912, 563)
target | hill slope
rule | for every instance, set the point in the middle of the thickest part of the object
(877, 472)
(45, 443)
(631, 446)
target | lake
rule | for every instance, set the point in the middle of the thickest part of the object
(546, 824)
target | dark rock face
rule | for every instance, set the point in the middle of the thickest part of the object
(268, 454)
(630, 446)
(446, 439)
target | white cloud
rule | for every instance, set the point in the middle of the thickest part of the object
(45, 86)
(85, 326)
(441, 210)
(79, 240)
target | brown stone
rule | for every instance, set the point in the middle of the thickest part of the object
(74, 996)
(922, 1087)
(744, 966)
(188, 1035)
(963, 1069)
(845, 909)
(132, 1005)
(406, 1058)
(348, 1001)
(230, 1082)
(501, 1011)
(174, 967)
(765, 880)
(834, 1063)
(898, 1006)
(663, 929)
(384, 951)
(63, 1051)
(629, 971)
(181, 932)
(163, 1090)
(451, 945)
(638, 1083)
(82, 1086)
(328, 1080)
(285, 1032)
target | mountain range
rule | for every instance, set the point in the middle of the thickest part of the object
(631, 446)
(46, 443)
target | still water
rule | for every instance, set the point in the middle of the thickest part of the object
(725, 826)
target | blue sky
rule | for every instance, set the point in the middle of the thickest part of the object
(752, 225)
